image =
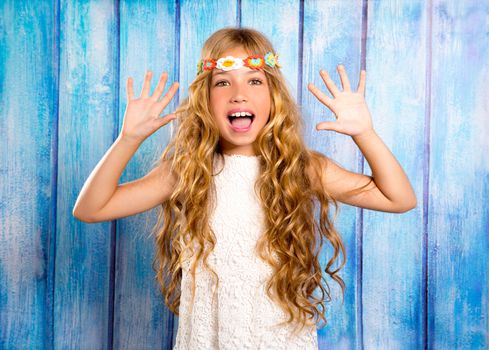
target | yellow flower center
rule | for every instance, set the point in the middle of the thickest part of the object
(228, 63)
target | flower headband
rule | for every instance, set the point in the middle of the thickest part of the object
(230, 62)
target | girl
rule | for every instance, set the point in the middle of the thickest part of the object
(238, 251)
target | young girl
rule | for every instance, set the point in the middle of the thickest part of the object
(238, 250)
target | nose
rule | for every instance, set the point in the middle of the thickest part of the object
(238, 95)
(239, 99)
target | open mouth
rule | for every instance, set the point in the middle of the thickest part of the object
(241, 120)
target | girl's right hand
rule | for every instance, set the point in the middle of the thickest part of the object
(142, 116)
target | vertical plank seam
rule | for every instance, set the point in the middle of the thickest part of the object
(176, 74)
(361, 160)
(113, 224)
(176, 65)
(238, 13)
(300, 53)
(426, 167)
(51, 239)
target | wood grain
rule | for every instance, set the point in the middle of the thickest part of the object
(393, 297)
(458, 217)
(28, 69)
(332, 35)
(148, 41)
(87, 101)
(417, 280)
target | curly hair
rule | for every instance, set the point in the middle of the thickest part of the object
(289, 188)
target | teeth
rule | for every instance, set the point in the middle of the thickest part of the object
(241, 114)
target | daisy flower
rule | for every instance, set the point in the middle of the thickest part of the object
(229, 62)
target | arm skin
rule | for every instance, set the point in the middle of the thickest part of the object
(388, 175)
(389, 189)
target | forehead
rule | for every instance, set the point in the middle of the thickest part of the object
(237, 51)
(218, 73)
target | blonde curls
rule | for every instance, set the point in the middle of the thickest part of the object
(289, 189)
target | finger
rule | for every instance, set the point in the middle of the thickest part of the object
(329, 83)
(362, 82)
(130, 91)
(319, 95)
(327, 126)
(166, 119)
(161, 86)
(169, 95)
(146, 84)
(344, 78)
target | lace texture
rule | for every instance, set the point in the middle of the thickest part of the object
(241, 316)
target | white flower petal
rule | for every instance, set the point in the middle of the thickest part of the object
(237, 63)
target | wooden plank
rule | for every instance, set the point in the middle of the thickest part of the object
(87, 102)
(458, 283)
(148, 42)
(90, 117)
(393, 243)
(27, 163)
(332, 35)
(279, 21)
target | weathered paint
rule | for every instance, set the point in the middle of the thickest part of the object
(417, 280)
(392, 278)
(28, 78)
(332, 35)
(87, 106)
(458, 217)
(148, 41)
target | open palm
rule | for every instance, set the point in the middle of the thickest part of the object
(351, 111)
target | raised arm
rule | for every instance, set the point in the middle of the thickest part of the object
(101, 197)
(388, 189)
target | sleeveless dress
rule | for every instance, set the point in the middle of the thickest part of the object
(241, 315)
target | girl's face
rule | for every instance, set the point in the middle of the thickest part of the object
(239, 90)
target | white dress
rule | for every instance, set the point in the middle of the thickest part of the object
(242, 316)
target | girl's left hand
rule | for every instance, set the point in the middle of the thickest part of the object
(351, 111)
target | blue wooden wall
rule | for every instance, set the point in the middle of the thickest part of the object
(414, 281)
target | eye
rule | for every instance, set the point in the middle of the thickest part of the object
(253, 82)
(219, 83)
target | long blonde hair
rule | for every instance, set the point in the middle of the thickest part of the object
(286, 192)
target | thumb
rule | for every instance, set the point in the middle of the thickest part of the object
(167, 118)
(327, 126)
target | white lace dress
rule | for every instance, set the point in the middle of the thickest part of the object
(242, 316)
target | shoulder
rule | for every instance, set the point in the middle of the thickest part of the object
(317, 168)
(166, 172)
(327, 175)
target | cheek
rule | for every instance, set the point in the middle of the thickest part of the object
(213, 103)
(266, 98)
(266, 103)
(216, 99)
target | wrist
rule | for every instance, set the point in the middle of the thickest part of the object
(364, 135)
(129, 141)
